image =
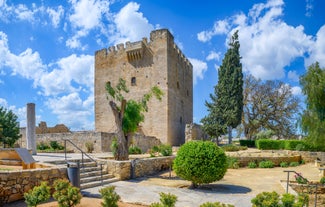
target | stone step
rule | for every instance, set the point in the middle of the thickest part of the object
(64, 162)
(95, 178)
(89, 169)
(97, 183)
(91, 173)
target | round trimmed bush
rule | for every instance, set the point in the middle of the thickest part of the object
(200, 162)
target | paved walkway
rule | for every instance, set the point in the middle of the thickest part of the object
(238, 186)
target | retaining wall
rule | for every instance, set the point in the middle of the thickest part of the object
(13, 184)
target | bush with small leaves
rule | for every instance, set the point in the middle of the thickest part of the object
(200, 162)
(266, 164)
(284, 164)
(216, 204)
(109, 196)
(166, 200)
(294, 164)
(165, 150)
(232, 163)
(252, 165)
(38, 195)
(288, 200)
(66, 194)
(133, 150)
(42, 146)
(266, 199)
(322, 180)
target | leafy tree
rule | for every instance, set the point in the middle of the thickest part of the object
(128, 114)
(269, 107)
(200, 162)
(9, 129)
(226, 107)
(313, 118)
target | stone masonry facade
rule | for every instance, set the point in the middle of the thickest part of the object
(144, 64)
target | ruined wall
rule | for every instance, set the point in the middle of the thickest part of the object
(101, 140)
(194, 132)
(43, 129)
(143, 65)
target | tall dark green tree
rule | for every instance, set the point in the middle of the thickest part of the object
(226, 107)
(313, 118)
(9, 128)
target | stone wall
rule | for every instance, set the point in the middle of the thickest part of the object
(194, 132)
(101, 140)
(125, 170)
(44, 129)
(13, 184)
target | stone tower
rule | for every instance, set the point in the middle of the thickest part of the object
(143, 65)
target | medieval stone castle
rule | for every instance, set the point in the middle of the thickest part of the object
(144, 64)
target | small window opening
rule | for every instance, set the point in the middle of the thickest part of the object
(133, 81)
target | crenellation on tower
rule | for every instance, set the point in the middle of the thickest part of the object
(143, 65)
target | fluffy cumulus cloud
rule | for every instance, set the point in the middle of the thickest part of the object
(72, 110)
(199, 68)
(296, 90)
(130, 25)
(55, 15)
(266, 47)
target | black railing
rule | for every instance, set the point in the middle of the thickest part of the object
(82, 157)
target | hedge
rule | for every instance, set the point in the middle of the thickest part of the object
(247, 143)
(300, 145)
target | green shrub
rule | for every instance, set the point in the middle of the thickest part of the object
(252, 165)
(288, 200)
(165, 150)
(233, 148)
(133, 150)
(272, 199)
(38, 195)
(89, 146)
(232, 162)
(266, 199)
(216, 204)
(322, 180)
(269, 144)
(266, 164)
(66, 194)
(109, 196)
(42, 146)
(284, 164)
(294, 164)
(200, 162)
(166, 199)
(56, 146)
(247, 143)
(293, 144)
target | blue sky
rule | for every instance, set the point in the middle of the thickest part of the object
(47, 47)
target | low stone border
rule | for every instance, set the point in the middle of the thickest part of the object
(139, 167)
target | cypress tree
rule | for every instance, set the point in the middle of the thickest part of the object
(227, 102)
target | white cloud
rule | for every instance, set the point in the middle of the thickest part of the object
(219, 27)
(72, 110)
(309, 7)
(213, 56)
(292, 75)
(296, 90)
(87, 15)
(55, 15)
(77, 69)
(130, 25)
(317, 52)
(266, 48)
(199, 68)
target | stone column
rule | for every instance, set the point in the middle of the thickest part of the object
(30, 128)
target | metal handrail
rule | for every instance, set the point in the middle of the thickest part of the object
(82, 157)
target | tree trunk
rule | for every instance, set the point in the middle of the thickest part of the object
(229, 134)
(122, 139)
